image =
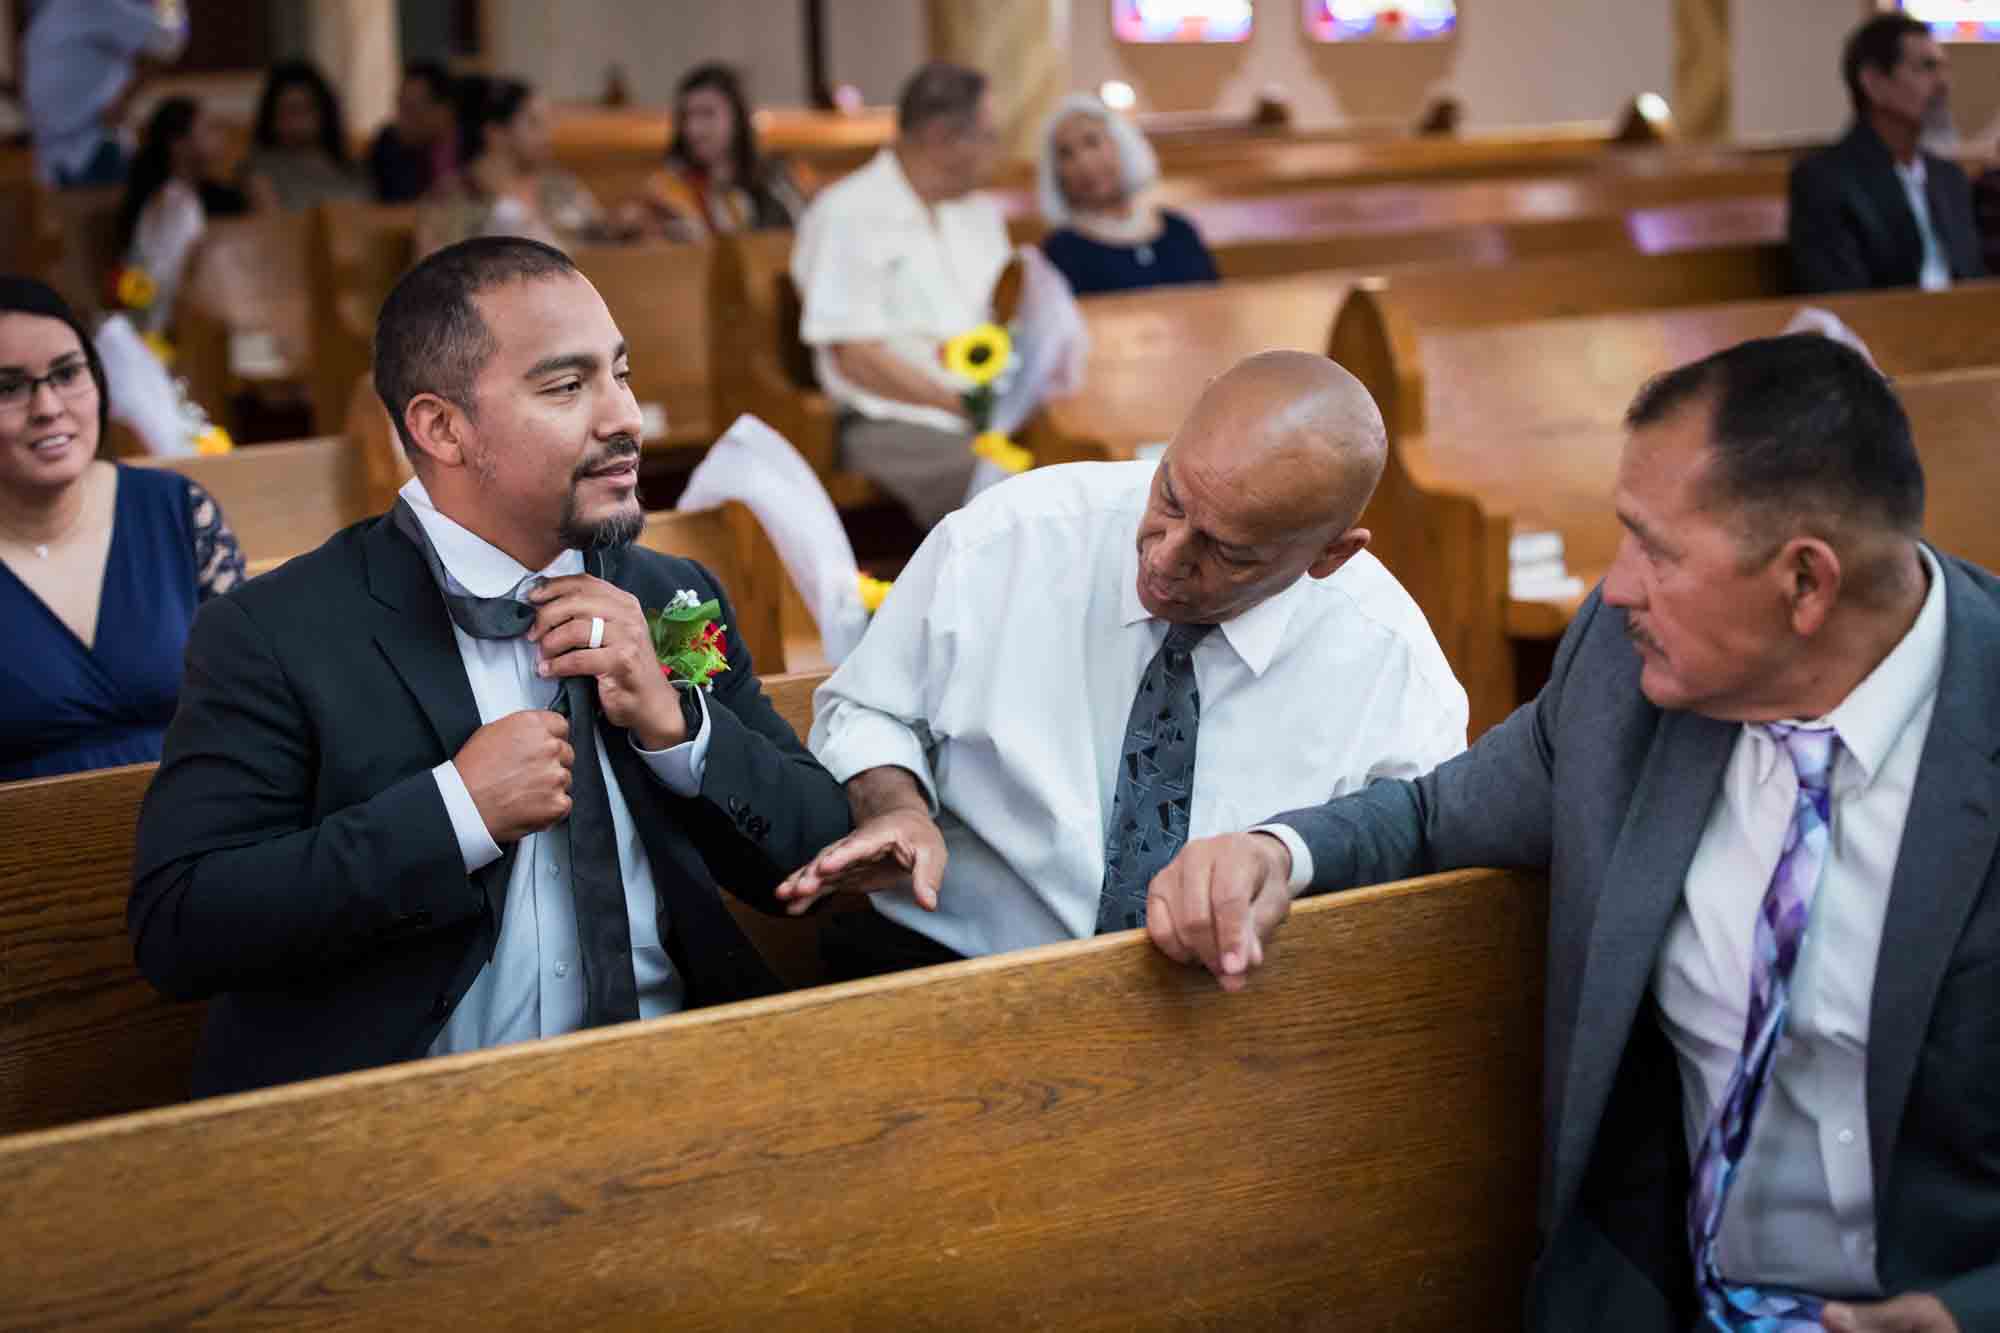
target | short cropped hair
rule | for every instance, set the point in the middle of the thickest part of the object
(1138, 164)
(430, 338)
(939, 93)
(1803, 431)
(1877, 45)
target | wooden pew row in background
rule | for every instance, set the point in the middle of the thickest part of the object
(82, 1034)
(1520, 425)
(283, 500)
(1083, 1134)
(1443, 514)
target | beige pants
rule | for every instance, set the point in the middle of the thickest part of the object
(927, 470)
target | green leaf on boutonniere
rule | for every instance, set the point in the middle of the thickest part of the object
(686, 640)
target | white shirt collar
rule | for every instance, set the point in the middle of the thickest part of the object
(1913, 172)
(1254, 634)
(475, 564)
(1871, 718)
(895, 182)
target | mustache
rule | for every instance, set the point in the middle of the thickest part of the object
(622, 448)
(1639, 636)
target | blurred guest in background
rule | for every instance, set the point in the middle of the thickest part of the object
(298, 155)
(170, 195)
(81, 60)
(420, 147)
(101, 566)
(1105, 236)
(510, 184)
(716, 180)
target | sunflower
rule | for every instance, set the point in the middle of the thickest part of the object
(873, 592)
(214, 440)
(980, 355)
(1003, 453)
(136, 289)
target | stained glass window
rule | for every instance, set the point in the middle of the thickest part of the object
(1181, 20)
(1380, 20)
(1958, 20)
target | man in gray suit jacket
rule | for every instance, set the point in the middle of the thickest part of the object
(1772, 1035)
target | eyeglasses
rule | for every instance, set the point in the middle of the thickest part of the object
(70, 380)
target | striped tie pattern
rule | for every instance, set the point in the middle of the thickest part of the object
(1780, 930)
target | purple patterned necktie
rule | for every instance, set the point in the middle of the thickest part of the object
(1781, 928)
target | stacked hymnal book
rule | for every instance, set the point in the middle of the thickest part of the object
(1535, 570)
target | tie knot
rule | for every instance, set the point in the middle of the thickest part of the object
(1811, 749)
(1182, 638)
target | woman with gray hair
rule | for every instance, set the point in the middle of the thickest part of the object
(1105, 235)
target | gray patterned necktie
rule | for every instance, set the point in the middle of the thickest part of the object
(603, 932)
(1149, 813)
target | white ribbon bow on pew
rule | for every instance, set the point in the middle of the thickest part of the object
(756, 465)
(1051, 348)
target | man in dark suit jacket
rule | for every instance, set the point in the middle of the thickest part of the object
(1874, 210)
(341, 857)
(1771, 572)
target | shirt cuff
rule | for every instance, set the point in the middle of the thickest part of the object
(1302, 860)
(475, 844)
(858, 739)
(680, 768)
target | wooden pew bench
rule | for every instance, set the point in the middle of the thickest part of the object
(81, 1032)
(1084, 1135)
(248, 290)
(1523, 423)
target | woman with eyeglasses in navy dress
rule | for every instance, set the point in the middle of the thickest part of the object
(101, 566)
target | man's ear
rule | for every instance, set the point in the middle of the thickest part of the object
(439, 428)
(1811, 574)
(1338, 552)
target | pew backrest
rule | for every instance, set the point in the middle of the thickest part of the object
(82, 1034)
(730, 543)
(281, 499)
(1083, 1135)
(658, 294)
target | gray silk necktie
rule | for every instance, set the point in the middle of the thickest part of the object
(604, 935)
(1149, 812)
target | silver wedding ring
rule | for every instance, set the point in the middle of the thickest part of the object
(597, 631)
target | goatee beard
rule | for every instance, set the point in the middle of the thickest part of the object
(606, 534)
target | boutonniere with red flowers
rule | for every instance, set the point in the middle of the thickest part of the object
(686, 639)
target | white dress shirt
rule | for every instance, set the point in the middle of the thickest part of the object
(875, 263)
(1935, 275)
(1801, 1209)
(533, 985)
(1001, 672)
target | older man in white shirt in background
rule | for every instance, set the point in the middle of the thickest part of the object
(890, 262)
(1093, 663)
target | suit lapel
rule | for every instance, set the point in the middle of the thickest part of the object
(1642, 886)
(1948, 844)
(415, 636)
(1882, 194)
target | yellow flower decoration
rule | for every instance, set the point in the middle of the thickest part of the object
(160, 346)
(136, 289)
(980, 355)
(873, 592)
(1002, 452)
(214, 440)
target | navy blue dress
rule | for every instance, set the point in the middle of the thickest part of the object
(1092, 266)
(65, 707)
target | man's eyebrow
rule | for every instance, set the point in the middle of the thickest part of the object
(583, 363)
(1640, 530)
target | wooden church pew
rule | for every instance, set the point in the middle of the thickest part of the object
(81, 1032)
(248, 284)
(1520, 424)
(1083, 1135)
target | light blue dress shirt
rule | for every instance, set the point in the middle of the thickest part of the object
(533, 985)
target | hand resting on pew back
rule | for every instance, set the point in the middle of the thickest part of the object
(1091, 663)
(1761, 782)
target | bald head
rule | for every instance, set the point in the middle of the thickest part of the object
(1295, 437)
(1264, 482)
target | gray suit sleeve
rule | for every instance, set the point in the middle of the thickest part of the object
(1491, 806)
